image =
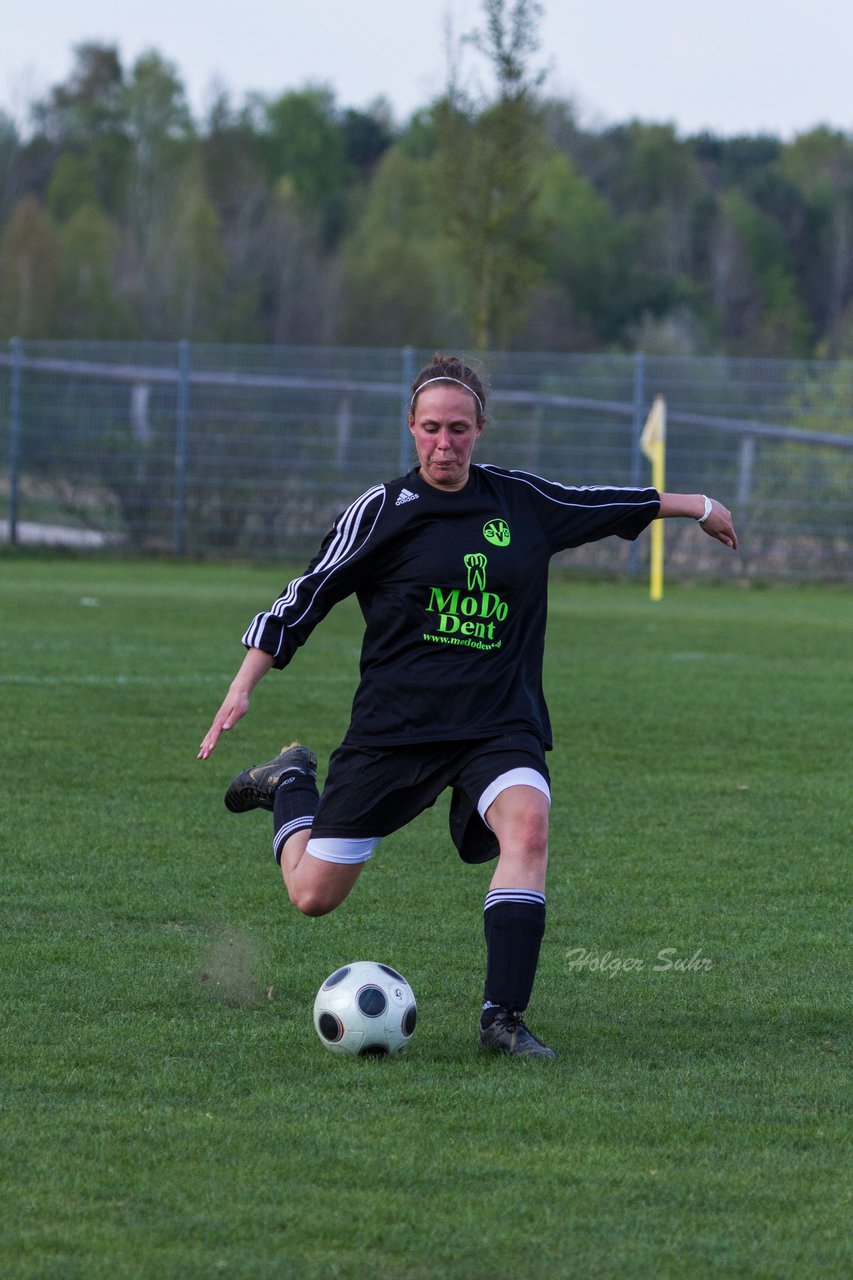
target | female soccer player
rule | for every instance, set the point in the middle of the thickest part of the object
(450, 566)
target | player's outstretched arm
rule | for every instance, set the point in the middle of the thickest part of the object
(254, 667)
(691, 505)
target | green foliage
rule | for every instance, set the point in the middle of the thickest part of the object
(397, 264)
(304, 149)
(515, 225)
(88, 303)
(155, 106)
(821, 404)
(197, 263)
(485, 172)
(580, 250)
(779, 321)
(85, 117)
(167, 1107)
(89, 104)
(29, 273)
(366, 137)
(73, 185)
(486, 161)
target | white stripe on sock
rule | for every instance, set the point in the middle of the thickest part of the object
(528, 897)
(290, 828)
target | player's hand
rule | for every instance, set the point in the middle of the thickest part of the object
(233, 709)
(254, 667)
(719, 525)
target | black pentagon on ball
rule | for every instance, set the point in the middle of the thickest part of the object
(372, 1001)
(410, 1017)
(373, 1051)
(336, 977)
(330, 1027)
(392, 973)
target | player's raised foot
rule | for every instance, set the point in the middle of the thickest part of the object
(255, 788)
(506, 1033)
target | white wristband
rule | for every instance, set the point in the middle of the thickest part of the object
(708, 508)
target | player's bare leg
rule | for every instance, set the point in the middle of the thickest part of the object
(314, 886)
(519, 819)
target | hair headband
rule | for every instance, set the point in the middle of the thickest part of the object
(444, 377)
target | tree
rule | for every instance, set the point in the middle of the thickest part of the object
(397, 271)
(196, 262)
(295, 280)
(89, 104)
(162, 146)
(754, 288)
(85, 117)
(29, 273)
(88, 306)
(658, 176)
(367, 135)
(492, 218)
(73, 185)
(234, 177)
(231, 151)
(178, 286)
(487, 155)
(820, 165)
(158, 119)
(160, 134)
(9, 147)
(580, 261)
(303, 146)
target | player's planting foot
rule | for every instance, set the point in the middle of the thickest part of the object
(506, 1033)
(255, 788)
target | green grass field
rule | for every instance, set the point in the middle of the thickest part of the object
(167, 1109)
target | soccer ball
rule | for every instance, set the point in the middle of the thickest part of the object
(365, 1010)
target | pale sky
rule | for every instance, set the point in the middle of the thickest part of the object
(732, 66)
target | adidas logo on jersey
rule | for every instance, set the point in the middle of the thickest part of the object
(406, 495)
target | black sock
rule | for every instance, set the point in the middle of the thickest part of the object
(294, 805)
(514, 923)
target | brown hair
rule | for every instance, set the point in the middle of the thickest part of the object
(450, 369)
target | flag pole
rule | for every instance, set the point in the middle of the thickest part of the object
(653, 445)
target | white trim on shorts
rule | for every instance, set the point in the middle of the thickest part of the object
(522, 777)
(340, 849)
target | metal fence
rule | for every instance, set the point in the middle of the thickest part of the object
(251, 451)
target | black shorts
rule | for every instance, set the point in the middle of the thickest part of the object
(371, 792)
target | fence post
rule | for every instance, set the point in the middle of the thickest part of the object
(744, 481)
(637, 422)
(408, 377)
(181, 437)
(14, 438)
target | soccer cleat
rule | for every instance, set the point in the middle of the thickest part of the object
(255, 788)
(508, 1034)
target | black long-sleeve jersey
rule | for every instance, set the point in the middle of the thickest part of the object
(453, 587)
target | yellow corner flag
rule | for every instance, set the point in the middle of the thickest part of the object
(653, 445)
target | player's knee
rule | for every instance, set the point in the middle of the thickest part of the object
(538, 835)
(530, 835)
(519, 818)
(311, 904)
(313, 901)
(313, 898)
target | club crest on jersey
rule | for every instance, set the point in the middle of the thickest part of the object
(496, 532)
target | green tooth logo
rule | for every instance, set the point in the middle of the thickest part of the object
(476, 566)
(471, 619)
(496, 532)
